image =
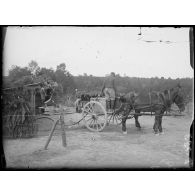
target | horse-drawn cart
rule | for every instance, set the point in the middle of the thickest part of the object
(96, 115)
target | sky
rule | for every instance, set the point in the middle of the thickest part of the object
(157, 52)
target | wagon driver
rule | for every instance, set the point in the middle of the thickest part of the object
(109, 90)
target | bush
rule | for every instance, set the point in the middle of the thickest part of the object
(18, 120)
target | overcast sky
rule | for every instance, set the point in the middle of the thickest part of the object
(101, 50)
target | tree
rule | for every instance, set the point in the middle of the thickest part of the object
(7, 82)
(62, 68)
(65, 78)
(47, 73)
(34, 68)
(17, 72)
(112, 73)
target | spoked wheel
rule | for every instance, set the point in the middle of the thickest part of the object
(115, 118)
(94, 116)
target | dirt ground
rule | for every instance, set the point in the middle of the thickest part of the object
(106, 149)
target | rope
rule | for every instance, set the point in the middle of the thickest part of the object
(52, 119)
(76, 122)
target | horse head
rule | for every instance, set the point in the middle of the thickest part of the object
(177, 97)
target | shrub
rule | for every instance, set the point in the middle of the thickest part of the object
(18, 120)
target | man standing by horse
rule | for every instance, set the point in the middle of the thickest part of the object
(109, 90)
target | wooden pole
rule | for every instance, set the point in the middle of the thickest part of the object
(63, 133)
(32, 92)
(51, 133)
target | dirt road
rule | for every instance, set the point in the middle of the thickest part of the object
(106, 149)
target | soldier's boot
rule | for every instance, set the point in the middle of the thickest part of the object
(108, 105)
(112, 105)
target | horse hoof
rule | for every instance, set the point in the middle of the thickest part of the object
(124, 132)
(161, 133)
(138, 125)
(156, 133)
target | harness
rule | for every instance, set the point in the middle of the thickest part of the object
(164, 99)
(161, 96)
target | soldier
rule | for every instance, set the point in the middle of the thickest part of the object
(109, 90)
(42, 92)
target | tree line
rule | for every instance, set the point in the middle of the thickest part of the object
(32, 73)
(142, 86)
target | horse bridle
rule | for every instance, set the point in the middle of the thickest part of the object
(174, 97)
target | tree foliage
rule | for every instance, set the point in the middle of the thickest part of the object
(89, 83)
(18, 120)
(47, 73)
(62, 68)
(140, 85)
(32, 73)
(17, 72)
(34, 68)
(64, 77)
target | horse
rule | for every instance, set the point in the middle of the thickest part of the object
(159, 103)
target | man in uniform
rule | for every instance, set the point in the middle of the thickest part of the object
(109, 90)
(43, 93)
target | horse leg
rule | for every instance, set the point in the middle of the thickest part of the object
(137, 124)
(124, 129)
(156, 124)
(160, 124)
(125, 115)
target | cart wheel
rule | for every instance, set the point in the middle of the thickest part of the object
(115, 118)
(94, 116)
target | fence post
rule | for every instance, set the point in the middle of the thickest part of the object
(51, 133)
